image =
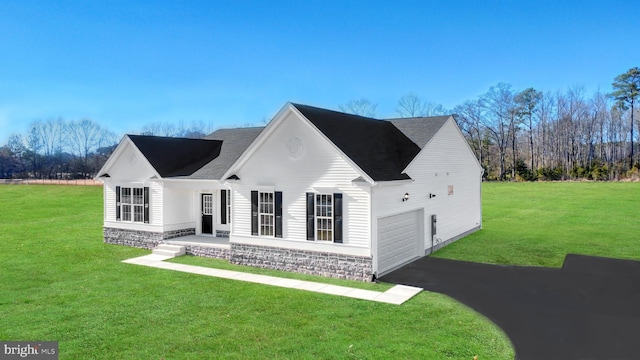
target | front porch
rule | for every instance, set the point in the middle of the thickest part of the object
(205, 246)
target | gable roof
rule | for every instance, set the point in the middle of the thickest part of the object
(381, 148)
(234, 143)
(420, 129)
(172, 157)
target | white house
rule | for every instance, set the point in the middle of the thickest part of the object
(315, 191)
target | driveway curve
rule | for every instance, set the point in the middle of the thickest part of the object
(588, 309)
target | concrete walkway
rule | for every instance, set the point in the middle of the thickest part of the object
(396, 295)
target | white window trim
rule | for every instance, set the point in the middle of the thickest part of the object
(272, 214)
(330, 219)
(132, 204)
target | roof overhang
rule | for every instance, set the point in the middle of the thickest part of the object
(116, 154)
(270, 128)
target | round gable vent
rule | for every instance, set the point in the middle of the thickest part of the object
(295, 148)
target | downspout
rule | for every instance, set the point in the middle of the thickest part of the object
(372, 232)
(480, 189)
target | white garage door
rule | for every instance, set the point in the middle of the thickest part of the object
(399, 240)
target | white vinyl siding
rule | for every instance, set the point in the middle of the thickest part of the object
(445, 162)
(318, 167)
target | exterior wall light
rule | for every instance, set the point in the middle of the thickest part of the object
(405, 197)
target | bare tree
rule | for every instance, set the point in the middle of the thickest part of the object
(85, 138)
(498, 103)
(410, 105)
(160, 129)
(362, 107)
(469, 118)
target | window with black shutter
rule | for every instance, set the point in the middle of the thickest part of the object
(132, 204)
(146, 205)
(266, 213)
(337, 218)
(118, 203)
(311, 218)
(223, 206)
(278, 214)
(324, 217)
(254, 213)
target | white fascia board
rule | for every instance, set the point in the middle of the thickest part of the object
(115, 154)
(424, 148)
(359, 170)
(155, 172)
(469, 149)
(187, 180)
(118, 152)
(393, 182)
(255, 144)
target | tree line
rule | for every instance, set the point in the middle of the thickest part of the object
(515, 134)
(57, 148)
(532, 135)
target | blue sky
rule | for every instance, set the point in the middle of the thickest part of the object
(229, 63)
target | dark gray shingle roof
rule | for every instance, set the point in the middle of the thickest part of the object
(378, 147)
(381, 148)
(176, 156)
(419, 129)
(234, 143)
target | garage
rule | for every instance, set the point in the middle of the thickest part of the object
(400, 240)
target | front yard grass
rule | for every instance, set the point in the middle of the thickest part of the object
(539, 223)
(59, 281)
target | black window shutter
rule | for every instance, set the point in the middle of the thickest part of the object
(146, 205)
(223, 206)
(337, 218)
(311, 219)
(278, 214)
(118, 203)
(254, 213)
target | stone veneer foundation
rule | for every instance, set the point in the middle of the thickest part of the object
(327, 264)
(215, 252)
(142, 239)
(339, 266)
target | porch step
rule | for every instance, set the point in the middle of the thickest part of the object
(169, 250)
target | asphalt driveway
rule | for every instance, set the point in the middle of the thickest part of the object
(588, 309)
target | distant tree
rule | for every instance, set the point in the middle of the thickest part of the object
(527, 102)
(85, 138)
(498, 104)
(34, 146)
(362, 107)
(410, 105)
(160, 129)
(195, 130)
(469, 119)
(18, 151)
(626, 90)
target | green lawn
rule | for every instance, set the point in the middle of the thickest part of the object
(539, 223)
(60, 282)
